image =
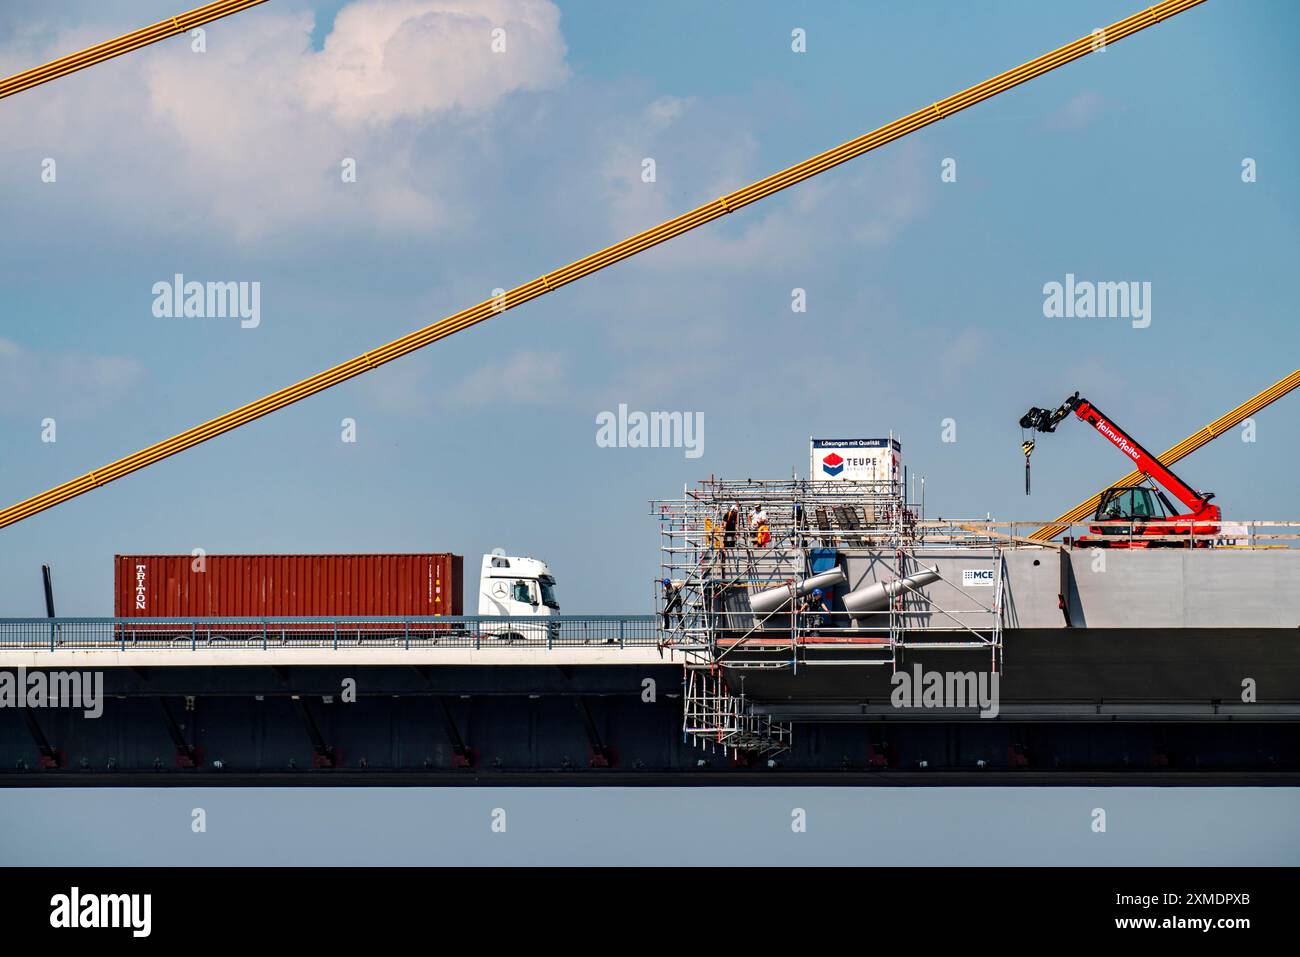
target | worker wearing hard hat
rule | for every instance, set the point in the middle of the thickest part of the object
(672, 602)
(759, 527)
(814, 609)
(729, 523)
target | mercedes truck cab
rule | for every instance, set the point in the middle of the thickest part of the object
(517, 589)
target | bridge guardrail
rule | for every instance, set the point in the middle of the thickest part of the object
(190, 634)
(1087, 533)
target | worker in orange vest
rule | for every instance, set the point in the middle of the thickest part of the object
(762, 530)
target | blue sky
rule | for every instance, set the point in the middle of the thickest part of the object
(924, 298)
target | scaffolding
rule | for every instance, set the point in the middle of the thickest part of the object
(716, 719)
(794, 573)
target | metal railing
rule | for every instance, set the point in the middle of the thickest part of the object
(461, 632)
(1089, 533)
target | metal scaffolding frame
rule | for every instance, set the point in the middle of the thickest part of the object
(785, 532)
(716, 719)
(726, 545)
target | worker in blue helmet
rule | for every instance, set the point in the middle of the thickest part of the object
(813, 610)
(672, 602)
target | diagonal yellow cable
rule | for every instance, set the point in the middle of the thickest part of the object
(598, 260)
(181, 23)
(1183, 449)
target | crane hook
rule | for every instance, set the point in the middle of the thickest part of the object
(1027, 447)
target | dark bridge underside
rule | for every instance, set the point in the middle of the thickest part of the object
(498, 725)
(1061, 668)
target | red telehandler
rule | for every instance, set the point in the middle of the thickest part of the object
(1138, 516)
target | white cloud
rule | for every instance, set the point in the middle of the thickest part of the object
(62, 384)
(715, 303)
(405, 388)
(413, 387)
(701, 155)
(252, 133)
(666, 110)
(1081, 109)
(413, 58)
(527, 377)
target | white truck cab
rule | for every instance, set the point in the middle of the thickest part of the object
(517, 587)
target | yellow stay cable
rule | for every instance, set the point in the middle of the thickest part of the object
(181, 23)
(598, 260)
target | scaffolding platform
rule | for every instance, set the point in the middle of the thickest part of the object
(791, 573)
(804, 640)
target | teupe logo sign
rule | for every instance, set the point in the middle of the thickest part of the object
(832, 464)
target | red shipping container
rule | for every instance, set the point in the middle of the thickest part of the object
(287, 586)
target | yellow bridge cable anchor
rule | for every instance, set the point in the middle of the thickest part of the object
(162, 30)
(596, 261)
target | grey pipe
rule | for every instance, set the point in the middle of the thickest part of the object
(875, 597)
(770, 600)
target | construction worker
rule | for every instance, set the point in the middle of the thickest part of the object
(759, 527)
(815, 608)
(672, 602)
(730, 521)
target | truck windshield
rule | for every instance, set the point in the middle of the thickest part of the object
(548, 592)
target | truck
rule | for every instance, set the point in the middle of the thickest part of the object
(248, 589)
(518, 589)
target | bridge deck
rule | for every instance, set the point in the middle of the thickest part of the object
(191, 642)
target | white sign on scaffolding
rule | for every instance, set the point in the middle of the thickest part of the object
(855, 460)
